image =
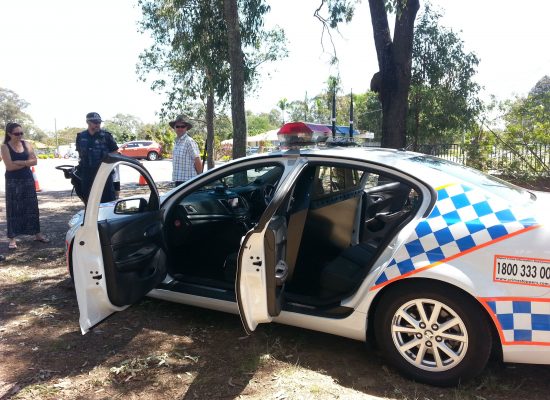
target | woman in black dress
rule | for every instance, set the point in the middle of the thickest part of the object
(21, 201)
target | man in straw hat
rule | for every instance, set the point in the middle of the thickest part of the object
(186, 162)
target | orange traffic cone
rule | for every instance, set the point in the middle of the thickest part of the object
(36, 184)
(142, 181)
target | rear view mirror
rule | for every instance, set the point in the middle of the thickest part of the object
(130, 206)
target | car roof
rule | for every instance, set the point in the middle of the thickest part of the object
(412, 163)
(434, 171)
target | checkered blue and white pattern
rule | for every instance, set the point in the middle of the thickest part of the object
(462, 219)
(522, 321)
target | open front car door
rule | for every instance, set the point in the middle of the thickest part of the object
(262, 269)
(118, 254)
(262, 274)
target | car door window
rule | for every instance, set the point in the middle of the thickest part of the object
(340, 220)
(333, 180)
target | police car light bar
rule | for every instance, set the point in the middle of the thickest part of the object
(296, 134)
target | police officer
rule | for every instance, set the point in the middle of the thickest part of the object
(93, 145)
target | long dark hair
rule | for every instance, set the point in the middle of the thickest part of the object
(9, 129)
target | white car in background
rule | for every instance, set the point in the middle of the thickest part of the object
(434, 262)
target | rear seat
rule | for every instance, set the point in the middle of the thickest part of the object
(347, 271)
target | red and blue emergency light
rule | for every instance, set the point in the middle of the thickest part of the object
(302, 134)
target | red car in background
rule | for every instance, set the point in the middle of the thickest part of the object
(141, 149)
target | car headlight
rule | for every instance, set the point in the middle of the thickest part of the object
(75, 219)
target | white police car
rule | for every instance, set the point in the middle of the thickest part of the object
(436, 263)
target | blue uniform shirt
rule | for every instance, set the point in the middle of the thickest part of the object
(92, 149)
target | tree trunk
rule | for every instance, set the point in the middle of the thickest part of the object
(236, 61)
(416, 112)
(210, 129)
(394, 62)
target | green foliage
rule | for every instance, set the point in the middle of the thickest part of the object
(258, 123)
(368, 113)
(443, 97)
(340, 11)
(275, 117)
(124, 127)
(319, 108)
(190, 50)
(223, 127)
(528, 119)
(283, 105)
(190, 53)
(160, 133)
(367, 110)
(65, 136)
(11, 109)
(478, 147)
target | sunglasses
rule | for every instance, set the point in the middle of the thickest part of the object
(95, 121)
(181, 126)
(16, 133)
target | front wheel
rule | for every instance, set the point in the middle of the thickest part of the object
(152, 156)
(433, 334)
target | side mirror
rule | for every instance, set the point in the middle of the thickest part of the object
(130, 206)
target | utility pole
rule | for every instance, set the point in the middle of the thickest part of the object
(55, 131)
(351, 115)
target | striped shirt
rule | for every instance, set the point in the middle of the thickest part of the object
(183, 162)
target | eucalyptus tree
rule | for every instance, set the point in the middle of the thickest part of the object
(249, 45)
(368, 113)
(258, 123)
(394, 55)
(527, 119)
(236, 62)
(65, 136)
(188, 55)
(191, 56)
(443, 101)
(300, 110)
(124, 127)
(320, 109)
(11, 109)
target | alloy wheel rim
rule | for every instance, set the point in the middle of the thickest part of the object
(429, 334)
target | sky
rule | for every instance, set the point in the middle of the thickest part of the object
(69, 57)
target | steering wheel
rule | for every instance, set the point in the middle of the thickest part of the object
(268, 192)
(68, 170)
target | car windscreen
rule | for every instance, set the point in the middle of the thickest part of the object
(505, 190)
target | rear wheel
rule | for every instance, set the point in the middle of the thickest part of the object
(152, 156)
(433, 334)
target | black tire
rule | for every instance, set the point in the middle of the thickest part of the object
(471, 348)
(152, 156)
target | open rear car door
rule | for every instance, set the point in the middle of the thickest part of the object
(118, 256)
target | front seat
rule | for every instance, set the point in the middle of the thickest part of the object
(297, 217)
